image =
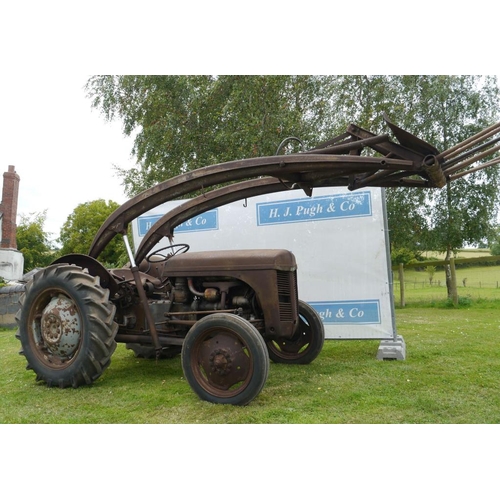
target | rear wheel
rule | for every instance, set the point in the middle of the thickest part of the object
(225, 360)
(306, 343)
(66, 326)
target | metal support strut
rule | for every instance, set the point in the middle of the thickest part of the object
(142, 297)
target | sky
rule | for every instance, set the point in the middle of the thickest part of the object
(64, 151)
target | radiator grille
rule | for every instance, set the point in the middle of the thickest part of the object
(287, 293)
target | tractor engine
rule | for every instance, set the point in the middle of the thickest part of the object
(198, 295)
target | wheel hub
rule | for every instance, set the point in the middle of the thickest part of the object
(61, 327)
(51, 328)
(220, 361)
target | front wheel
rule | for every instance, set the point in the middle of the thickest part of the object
(225, 360)
(66, 326)
(306, 343)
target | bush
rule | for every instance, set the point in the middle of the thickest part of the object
(403, 256)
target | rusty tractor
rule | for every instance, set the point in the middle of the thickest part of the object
(227, 313)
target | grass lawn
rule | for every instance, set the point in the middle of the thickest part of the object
(451, 375)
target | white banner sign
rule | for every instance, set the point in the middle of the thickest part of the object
(339, 239)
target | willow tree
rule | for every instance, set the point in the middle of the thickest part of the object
(442, 110)
(181, 123)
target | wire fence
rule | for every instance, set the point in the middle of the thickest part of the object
(418, 284)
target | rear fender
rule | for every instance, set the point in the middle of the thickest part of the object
(94, 267)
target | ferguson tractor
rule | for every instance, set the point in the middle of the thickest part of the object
(227, 312)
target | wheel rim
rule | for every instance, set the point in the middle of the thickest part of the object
(55, 328)
(295, 347)
(222, 362)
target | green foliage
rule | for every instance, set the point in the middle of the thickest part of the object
(403, 255)
(181, 123)
(407, 215)
(494, 241)
(495, 248)
(33, 242)
(81, 226)
(462, 302)
(431, 271)
(443, 110)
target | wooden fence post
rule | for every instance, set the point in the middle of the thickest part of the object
(454, 290)
(402, 285)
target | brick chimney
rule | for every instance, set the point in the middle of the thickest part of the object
(8, 208)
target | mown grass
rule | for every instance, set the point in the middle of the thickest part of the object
(450, 376)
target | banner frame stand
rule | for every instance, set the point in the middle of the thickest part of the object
(390, 350)
(395, 349)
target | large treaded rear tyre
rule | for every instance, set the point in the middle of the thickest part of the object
(66, 326)
(225, 359)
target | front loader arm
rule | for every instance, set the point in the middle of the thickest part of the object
(297, 168)
(409, 163)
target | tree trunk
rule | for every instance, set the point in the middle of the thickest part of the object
(449, 250)
(447, 269)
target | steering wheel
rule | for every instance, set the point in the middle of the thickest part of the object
(174, 250)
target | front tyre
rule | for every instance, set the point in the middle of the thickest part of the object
(66, 326)
(306, 343)
(225, 359)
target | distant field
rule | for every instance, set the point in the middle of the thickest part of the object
(467, 253)
(479, 282)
